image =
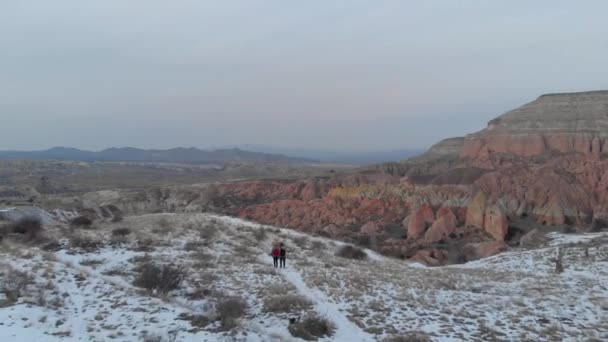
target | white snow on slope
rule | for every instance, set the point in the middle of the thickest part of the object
(512, 296)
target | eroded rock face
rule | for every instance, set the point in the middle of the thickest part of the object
(562, 123)
(420, 219)
(495, 223)
(442, 228)
(477, 210)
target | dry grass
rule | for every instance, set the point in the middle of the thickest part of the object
(85, 242)
(351, 252)
(409, 337)
(229, 310)
(92, 262)
(312, 327)
(286, 303)
(14, 282)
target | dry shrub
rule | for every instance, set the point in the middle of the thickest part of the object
(163, 278)
(414, 336)
(29, 227)
(14, 282)
(194, 245)
(229, 310)
(286, 303)
(123, 231)
(148, 337)
(85, 242)
(207, 231)
(351, 252)
(81, 221)
(51, 246)
(559, 265)
(312, 327)
(164, 226)
(317, 245)
(198, 321)
(260, 234)
(91, 262)
(301, 241)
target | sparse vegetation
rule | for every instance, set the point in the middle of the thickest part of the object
(81, 221)
(207, 231)
(286, 303)
(559, 265)
(14, 282)
(229, 310)
(91, 262)
(312, 327)
(123, 231)
(351, 252)
(409, 337)
(85, 242)
(30, 227)
(260, 234)
(170, 337)
(162, 278)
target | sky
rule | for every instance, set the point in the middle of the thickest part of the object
(340, 74)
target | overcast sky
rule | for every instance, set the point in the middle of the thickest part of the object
(317, 74)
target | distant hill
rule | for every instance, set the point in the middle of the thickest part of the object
(174, 155)
(349, 157)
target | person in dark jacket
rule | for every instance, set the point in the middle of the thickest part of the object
(282, 254)
(276, 252)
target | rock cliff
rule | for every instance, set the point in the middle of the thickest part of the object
(553, 123)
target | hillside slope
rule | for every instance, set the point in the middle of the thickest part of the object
(84, 288)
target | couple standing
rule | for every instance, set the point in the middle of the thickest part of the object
(278, 255)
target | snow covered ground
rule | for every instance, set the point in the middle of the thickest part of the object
(76, 294)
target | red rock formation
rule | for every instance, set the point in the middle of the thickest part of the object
(441, 228)
(495, 223)
(476, 211)
(546, 160)
(420, 219)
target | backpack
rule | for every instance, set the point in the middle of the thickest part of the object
(276, 252)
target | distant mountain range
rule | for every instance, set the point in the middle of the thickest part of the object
(174, 155)
(337, 156)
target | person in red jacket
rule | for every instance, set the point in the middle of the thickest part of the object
(276, 252)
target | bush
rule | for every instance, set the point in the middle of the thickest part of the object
(260, 234)
(13, 284)
(85, 242)
(81, 221)
(312, 327)
(163, 278)
(121, 231)
(229, 310)
(351, 252)
(171, 337)
(317, 245)
(286, 303)
(409, 337)
(28, 226)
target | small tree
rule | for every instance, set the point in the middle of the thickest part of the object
(559, 266)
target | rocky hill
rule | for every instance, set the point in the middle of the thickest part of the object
(553, 123)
